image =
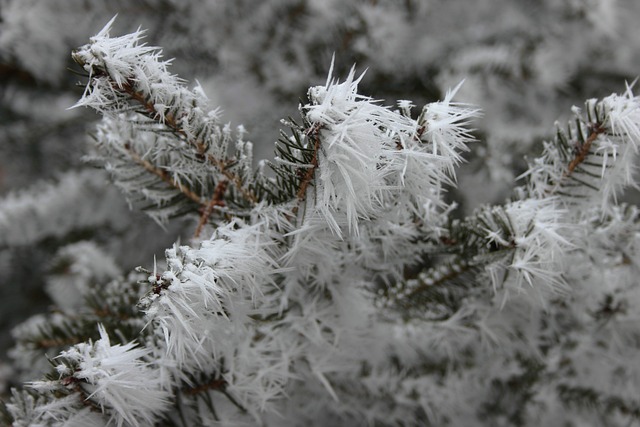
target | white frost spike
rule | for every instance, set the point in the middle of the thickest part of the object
(541, 239)
(119, 379)
(447, 131)
(624, 115)
(208, 290)
(123, 68)
(119, 53)
(367, 151)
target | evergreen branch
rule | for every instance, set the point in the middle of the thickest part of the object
(163, 175)
(173, 123)
(201, 389)
(442, 275)
(101, 374)
(594, 159)
(523, 237)
(112, 304)
(56, 331)
(437, 293)
(149, 167)
(123, 71)
(216, 384)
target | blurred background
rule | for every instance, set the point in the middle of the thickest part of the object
(523, 62)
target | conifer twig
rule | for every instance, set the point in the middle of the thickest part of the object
(583, 150)
(116, 66)
(216, 200)
(172, 123)
(163, 175)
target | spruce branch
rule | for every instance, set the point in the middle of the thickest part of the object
(101, 375)
(175, 125)
(125, 75)
(112, 304)
(595, 158)
(511, 246)
(163, 175)
(566, 171)
(151, 168)
(217, 384)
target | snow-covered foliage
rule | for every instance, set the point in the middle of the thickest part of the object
(117, 379)
(337, 284)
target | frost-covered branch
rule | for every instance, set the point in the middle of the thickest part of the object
(595, 158)
(343, 290)
(131, 86)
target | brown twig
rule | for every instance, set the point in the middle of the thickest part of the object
(105, 311)
(237, 181)
(57, 342)
(216, 200)
(583, 150)
(215, 384)
(172, 122)
(308, 176)
(162, 174)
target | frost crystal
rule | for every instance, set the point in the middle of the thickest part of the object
(119, 379)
